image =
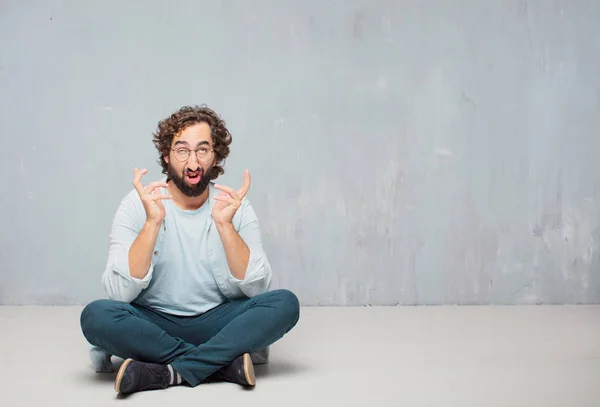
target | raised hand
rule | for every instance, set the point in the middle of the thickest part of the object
(155, 211)
(229, 200)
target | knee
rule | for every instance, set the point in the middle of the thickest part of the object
(94, 317)
(288, 305)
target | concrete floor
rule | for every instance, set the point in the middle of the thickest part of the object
(412, 356)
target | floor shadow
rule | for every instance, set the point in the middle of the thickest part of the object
(105, 377)
(278, 368)
(273, 368)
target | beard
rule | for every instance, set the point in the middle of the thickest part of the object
(189, 189)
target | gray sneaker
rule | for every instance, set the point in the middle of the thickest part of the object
(101, 360)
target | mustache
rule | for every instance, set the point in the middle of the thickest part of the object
(187, 171)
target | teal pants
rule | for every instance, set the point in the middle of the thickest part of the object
(197, 346)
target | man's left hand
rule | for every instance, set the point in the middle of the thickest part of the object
(229, 200)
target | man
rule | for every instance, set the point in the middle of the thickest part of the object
(187, 276)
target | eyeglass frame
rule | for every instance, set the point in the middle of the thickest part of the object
(190, 153)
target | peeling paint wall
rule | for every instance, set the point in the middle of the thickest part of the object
(402, 152)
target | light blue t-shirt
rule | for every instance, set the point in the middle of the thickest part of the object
(189, 272)
(182, 279)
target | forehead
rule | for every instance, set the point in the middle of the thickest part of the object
(194, 134)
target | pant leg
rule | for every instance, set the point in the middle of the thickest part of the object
(127, 331)
(235, 328)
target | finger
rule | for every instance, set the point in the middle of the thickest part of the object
(228, 190)
(246, 186)
(153, 185)
(137, 179)
(161, 197)
(138, 174)
(225, 199)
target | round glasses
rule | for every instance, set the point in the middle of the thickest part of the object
(202, 153)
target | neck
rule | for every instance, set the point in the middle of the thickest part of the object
(185, 202)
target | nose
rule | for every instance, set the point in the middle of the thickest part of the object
(192, 162)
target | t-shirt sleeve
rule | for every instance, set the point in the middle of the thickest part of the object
(258, 273)
(127, 225)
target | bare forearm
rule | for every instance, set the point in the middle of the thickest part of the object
(236, 250)
(140, 253)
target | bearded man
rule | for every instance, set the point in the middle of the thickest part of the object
(187, 276)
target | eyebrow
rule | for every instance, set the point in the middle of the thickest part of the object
(186, 143)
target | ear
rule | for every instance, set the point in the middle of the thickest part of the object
(166, 158)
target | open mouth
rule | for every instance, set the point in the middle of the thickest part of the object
(192, 177)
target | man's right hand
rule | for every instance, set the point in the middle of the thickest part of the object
(155, 211)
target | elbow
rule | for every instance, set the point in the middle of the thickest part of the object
(258, 276)
(113, 292)
(118, 288)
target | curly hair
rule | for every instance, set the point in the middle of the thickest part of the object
(188, 116)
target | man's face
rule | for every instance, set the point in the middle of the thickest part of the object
(191, 175)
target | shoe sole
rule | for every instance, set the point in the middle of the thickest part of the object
(249, 370)
(120, 374)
